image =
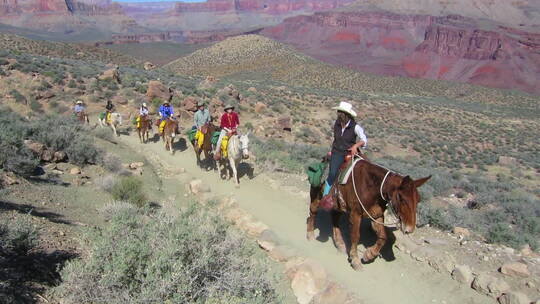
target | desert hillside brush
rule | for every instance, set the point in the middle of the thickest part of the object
(129, 189)
(194, 257)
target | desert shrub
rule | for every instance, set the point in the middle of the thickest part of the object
(195, 257)
(129, 189)
(72, 84)
(105, 134)
(111, 162)
(20, 98)
(36, 106)
(3, 61)
(3, 73)
(107, 182)
(18, 238)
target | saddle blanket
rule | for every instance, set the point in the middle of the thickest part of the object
(346, 173)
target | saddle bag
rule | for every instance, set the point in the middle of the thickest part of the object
(315, 173)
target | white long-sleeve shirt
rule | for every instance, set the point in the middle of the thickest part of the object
(143, 111)
(359, 131)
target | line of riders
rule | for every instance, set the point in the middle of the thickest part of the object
(229, 121)
(354, 185)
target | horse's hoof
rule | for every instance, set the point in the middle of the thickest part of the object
(368, 256)
(310, 236)
(341, 248)
(356, 264)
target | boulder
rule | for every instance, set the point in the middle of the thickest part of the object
(47, 155)
(461, 231)
(260, 107)
(253, 228)
(149, 66)
(514, 298)
(111, 74)
(307, 280)
(8, 179)
(526, 250)
(334, 293)
(198, 187)
(489, 285)
(266, 245)
(252, 90)
(498, 287)
(158, 90)
(59, 156)
(190, 104)
(35, 147)
(515, 269)
(463, 274)
(136, 165)
(75, 171)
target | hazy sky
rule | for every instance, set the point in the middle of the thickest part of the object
(159, 1)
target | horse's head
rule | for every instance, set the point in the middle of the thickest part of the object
(244, 143)
(405, 199)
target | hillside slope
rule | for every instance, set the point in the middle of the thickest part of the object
(260, 58)
(64, 50)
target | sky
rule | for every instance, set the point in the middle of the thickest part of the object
(159, 0)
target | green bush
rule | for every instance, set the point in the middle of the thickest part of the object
(18, 237)
(129, 189)
(20, 98)
(194, 257)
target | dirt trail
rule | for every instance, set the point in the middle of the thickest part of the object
(402, 280)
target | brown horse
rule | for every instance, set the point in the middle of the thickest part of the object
(169, 133)
(145, 124)
(368, 192)
(82, 117)
(207, 130)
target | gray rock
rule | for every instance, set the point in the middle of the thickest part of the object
(515, 269)
(514, 298)
(463, 274)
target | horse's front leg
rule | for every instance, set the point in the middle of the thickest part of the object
(354, 221)
(141, 136)
(337, 236)
(171, 140)
(313, 207)
(373, 251)
(114, 129)
(232, 163)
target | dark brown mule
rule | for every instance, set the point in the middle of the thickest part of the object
(169, 133)
(398, 192)
(207, 130)
(145, 124)
(82, 117)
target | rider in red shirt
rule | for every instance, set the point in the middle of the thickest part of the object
(229, 124)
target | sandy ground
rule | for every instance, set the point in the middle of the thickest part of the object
(397, 278)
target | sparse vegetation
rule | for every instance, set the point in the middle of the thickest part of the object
(129, 189)
(194, 257)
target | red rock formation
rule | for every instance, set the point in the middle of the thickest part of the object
(266, 6)
(450, 48)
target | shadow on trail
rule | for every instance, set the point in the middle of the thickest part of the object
(323, 222)
(33, 211)
(180, 145)
(25, 275)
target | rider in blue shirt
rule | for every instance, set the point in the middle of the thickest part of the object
(165, 112)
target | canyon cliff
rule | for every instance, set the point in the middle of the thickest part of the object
(452, 47)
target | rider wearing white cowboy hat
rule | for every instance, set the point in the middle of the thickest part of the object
(349, 136)
(79, 107)
(143, 111)
(229, 123)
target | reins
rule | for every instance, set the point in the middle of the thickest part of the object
(382, 196)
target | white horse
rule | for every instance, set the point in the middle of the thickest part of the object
(237, 149)
(116, 120)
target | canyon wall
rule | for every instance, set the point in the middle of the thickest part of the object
(450, 47)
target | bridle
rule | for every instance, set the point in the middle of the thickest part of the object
(388, 202)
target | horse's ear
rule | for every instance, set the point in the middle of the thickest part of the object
(405, 182)
(421, 181)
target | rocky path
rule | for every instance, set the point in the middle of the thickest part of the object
(402, 280)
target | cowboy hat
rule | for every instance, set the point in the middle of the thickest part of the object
(144, 104)
(200, 104)
(79, 102)
(229, 106)
(345, 107)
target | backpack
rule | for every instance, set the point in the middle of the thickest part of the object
(315, 173)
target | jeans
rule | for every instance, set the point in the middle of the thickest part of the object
(336, 160)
